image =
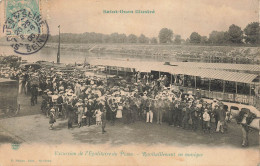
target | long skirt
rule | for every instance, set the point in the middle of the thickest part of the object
(119, 114)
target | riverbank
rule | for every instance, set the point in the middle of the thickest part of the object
(158, 52)
(211, 54)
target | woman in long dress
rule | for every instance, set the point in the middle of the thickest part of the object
(119, 111)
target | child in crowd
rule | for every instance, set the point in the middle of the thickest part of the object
(206, 121)
(98, 114)
(52, 118)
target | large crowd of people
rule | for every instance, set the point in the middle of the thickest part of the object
(84, 100)
(91, 100)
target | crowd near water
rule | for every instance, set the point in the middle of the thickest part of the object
(92, 100)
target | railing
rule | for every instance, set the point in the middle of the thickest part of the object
(232, 97)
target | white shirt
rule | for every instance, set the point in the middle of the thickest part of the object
(206, 117)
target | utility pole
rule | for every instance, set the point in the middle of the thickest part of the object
(58, 55)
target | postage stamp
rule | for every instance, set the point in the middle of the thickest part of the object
(25, 29)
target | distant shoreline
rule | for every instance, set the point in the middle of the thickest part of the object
(196, 53)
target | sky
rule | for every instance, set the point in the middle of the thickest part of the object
(181, 16)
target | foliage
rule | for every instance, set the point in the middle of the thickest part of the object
(204, 40)
(165, 35)
(217, 37)
(143, 39)
(252, 33)
(132, 38)
(195, 38)
(154, 40)
(177, 39)
(235, 34)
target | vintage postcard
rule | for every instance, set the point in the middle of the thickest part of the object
(119, 82)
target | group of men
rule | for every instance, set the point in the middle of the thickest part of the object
(86, 100)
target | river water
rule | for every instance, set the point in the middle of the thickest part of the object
(68, 56)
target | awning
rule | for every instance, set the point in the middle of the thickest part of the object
(219, 66)
(141, 66)
(144, 66)
(214, 74)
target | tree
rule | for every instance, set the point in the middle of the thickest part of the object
(204, 40)
(114, 37)
(217, 37)
(132, 38)
(195, 37)
(143, 39)
(106, 39)
(187, 41)
(122, 38)
(177, 39)
(252, 32)
(154, 40)
(165, 35)
(235, 34)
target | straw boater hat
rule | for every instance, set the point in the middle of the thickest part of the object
(80, 104)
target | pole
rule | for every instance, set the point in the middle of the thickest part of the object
(147, 77)
(236, 87)
(85, 62)
(171, 79)
(224, 84)
(183, 80)
(250, 89)
(106, 72)
(195, 82)
(209, 84)
(58, 55)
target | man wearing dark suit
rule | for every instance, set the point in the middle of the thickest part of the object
(70, 115)
(91, 109)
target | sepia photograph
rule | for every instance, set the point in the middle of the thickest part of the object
(141, 82)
